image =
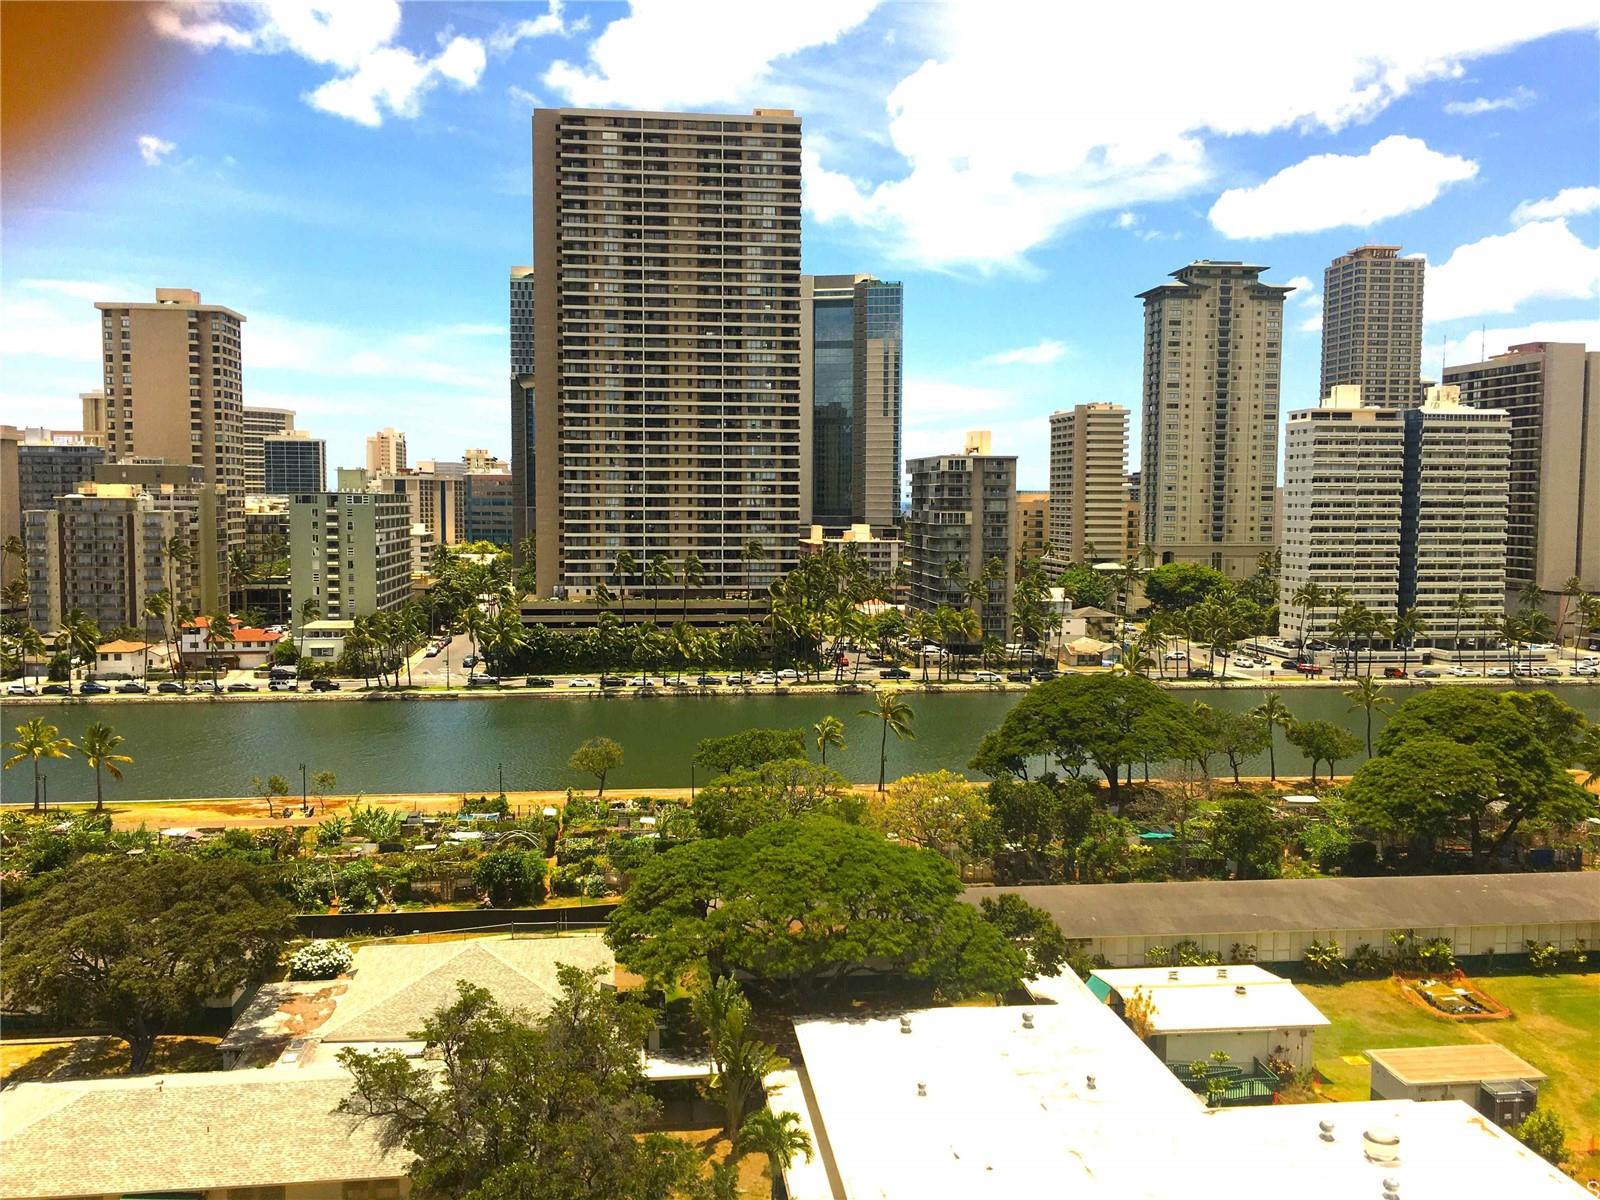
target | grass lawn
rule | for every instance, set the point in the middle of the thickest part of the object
(1554, 1024)
(103, 1057)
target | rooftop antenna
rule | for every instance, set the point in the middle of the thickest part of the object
(1483, 343)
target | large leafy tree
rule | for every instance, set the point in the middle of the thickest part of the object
(1322, 741)
(1109, 721)
(1030, 929)
(137, 945)
(733, 804)
(598, 756)
(1246, 829)
(749, 748)
(796, 905)
(515, 1109)
(939, 810)
(1426, 788)
(1175, 586)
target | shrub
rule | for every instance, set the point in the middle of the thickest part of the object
(510, 877)
(567, 880)
(375, 824)
(321, 959)
(1368, 960)
(1543, 1132)
(1186, 953)
(1242, 952)
(1437, 956)
(1324, 959)
(594, 886)
(1542, 956)
(331, 832)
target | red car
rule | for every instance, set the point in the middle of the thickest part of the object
(1308, 668)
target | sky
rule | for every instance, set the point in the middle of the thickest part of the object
(354, 177)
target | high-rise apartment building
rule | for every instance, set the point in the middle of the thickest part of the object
(963, 509)
(522, 420)
(852, 367)
(174, 391)
(260, 424)
(1212, 357)
(488, 507)
(1552, 391)
(50, 465)
(1454, 510)
(1030, 540)
(94, 417)
(1372, 325)
(350, 552)
(477, 459)
(668, 415)
(1343, 475)
(294, 462)
(1088, 481)
(436, 493)
(386, 453)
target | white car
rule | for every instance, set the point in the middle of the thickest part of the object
(20, 688)
(987, 677)
(1499, 672)
(640, 681)
(1175, 655)
(765, 677)
(1586, 669)
(580, 681)
(789, 676)
(1462, 672)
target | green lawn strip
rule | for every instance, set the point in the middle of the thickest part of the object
(1555, 1025)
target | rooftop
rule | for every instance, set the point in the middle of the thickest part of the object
(1211, 998)
(1467, 1063)
(1103, 910)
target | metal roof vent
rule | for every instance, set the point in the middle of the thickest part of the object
(1172, 976)
(1089, 1081)
(1027, 1020)
(1391, 1189)
(1238, 989)
(905, 1024)
(1325, 1130)
(1222, 972)
(922, 1088)
(1381, 1145)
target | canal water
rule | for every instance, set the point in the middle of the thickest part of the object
(193, 749)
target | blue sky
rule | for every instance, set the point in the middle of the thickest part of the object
(354, 178)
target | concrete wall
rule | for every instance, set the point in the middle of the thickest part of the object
(1242, 1045)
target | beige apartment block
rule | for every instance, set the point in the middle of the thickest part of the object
(174, 391)
(1088, 483)
(260, 424)
(350, 552)
(386, 453)
(1343, 477)
(1209, 463)
(963, 510)
(1552, 391)
(522, 417)
(94, 417)
(1031, 537)
(1372, 325)
(436, 497)
(668, 404)
(880, 555)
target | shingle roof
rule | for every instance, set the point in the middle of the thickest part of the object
(1102, 910)
(219, 1129)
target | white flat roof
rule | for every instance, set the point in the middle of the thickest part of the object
(1202, 1000)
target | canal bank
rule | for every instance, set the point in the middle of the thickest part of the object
(215, 749)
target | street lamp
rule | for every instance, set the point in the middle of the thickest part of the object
(303, 802)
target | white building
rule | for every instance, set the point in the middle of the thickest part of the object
(1244, 1011)
(1088, 483)
(1501, 1085)
(880, 555)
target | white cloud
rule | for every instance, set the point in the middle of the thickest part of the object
(1518, 98)
(1309, 300)
(655, 58)
(1542, 260)
(1478, 345)
(523, 97)
(1568, 202)
(551, 24)
(1004, 148)
(1046, 351)
(1398, 175)
(154, 150)
(373, 75)
(1126, 220)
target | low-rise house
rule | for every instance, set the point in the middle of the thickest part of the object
(245, 649)
(1243, 1011)
(1501, 1085)
(123, 657)
(323, 641)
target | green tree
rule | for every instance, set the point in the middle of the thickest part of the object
(828, 732)
(36, 739)
(777, 1135)
(99, 749)
(749, 748)
(508, 1109)
(938, 810)
(510, 877)
(138, 944)
(733, 804)
(1273, 714)
(1545, 1133)
(1031, 930)
(740, 1060)
(1368, 695)
(1175, 586)
(598, 756)
(1424, 789)
(895, 715)
(271, 789)
(1237, 737)
(1322, 741)
(1246, 829)
(795, 905)
(322, 783)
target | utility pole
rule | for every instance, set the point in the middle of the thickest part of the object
(500, 770)
(303, 803)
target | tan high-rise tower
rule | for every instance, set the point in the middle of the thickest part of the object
(386, 453)
(174, 391)
(1088, 481)
(1372, 326)
(667, 400)
(1212, 355)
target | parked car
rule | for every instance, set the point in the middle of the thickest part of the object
(1319, 645)
(1394, 673)
(470, 660)
(894, 673)
(538, 681)
(283, 685)
(610, 681)
(738, 679)
(431, 652)
(987, 677)
(93, 687)
(1201, 673)
(1289, 664)
(1045, 673)
(709, 681)
(172, 687)
(56, 689)
(1499, 672)
(1548, 672)
(1308, 668)
(208, 686)
(134, 687)
(766, 677)
(243, 686)
(1019, 677)
(1176, 655)
(640, 681)
(20, 688)
(580, 682)
(1462, 672)
(324, 685)
(789, 676)
(1429, 673)
(480, 679)
(1586, 669)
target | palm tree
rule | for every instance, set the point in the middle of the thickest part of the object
(1274, 714)
(1408, 627)
(777, 1135)
(896, 715)
(37, 739)
(1307, 598)
(754, 551)
(1460, 608)
(99, 748)
(241, 572)
(828, 732)
(692, 574)
(153, 610)
(1368, 694)
(219, 634)
(624, 568)
(659, 575)
(78, 637)
(1571, 593)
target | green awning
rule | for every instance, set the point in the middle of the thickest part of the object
(1156, 837)
(1099, 987)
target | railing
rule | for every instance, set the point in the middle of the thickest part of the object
(1255, 1084)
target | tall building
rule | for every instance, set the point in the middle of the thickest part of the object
(880, 555)
(475, 459)
(94, 417)
(99, 551)
(1031, 538)
(294, 462)
(1088, 482)
(668, 414)
(1212, 357)
(522, 420)
(386, 453)
(1372, 325)
(48, 467)
(488, 508)
(174, 391)
(963, 508)
(1343, 475)
(260, 424)
(1552, 391)
(349, 552)
(436, 493)
(1454, 510)
(852, 367)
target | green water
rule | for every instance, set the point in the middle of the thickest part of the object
(212, 749)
